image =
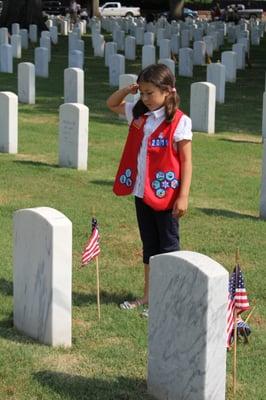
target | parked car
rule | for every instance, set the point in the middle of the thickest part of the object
(187, 13)
(53, 8)
(115, 9)
(234, 12)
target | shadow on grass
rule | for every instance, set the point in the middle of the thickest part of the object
(36, 163)
(239, 141)
(106, 298)
(103, 182)
(227, 214)
(78, 387)
(6, 287)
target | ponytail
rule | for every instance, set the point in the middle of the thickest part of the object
(171, 104)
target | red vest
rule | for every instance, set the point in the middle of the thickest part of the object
(163, 173)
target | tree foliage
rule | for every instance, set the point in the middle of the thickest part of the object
(24, 12)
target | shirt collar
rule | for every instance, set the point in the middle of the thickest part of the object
(157, 113)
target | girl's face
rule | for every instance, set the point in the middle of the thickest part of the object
(152, 96)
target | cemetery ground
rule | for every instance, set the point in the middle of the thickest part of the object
(108, 358)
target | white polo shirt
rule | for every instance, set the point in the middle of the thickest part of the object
(155, 118)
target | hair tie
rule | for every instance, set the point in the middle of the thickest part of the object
(174, 90)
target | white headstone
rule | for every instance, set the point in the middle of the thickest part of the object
(99, 46)
(33, 33)
(185, 66)
(43, 275)
(209, 45)
(109, 50)
(263, 174)
(187, 327)
(202, 106)
(16, 46)
(6, 58)
(140, 35)
(24, 38)
(175, 43)
(169, 63)
(116, 68)
(126, 80)
(15, 29)
(3, 36)
(149, 38)
(130, 48)
(199, 52)
(216, 75)
(165, 48)
(41, 60)
(264, 116)
(148, 55)
(74, 85)
(46, 42)
(8, 122)
(239, 49)
(26, 83)
(64, 28)
(185, 38)
(75, 59)
(229, 61)
(54, 34)
(73, 135)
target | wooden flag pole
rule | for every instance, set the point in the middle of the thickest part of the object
(98, 288)
(235, 331)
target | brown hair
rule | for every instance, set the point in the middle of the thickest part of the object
(160, 76)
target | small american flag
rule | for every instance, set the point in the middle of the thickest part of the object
(92, 248)
(237, 300)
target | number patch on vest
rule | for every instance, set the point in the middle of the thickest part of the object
(164, 181)
(159, 142)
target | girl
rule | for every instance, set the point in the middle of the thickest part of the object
(156, 165)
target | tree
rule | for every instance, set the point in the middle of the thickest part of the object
(24, 12)
(95, 8)
(176, 7)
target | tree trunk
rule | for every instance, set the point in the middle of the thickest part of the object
(176, 7)
(95, 8)
(24, 12)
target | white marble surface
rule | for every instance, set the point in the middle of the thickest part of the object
(6, 58)
(42, 257)
(202, 106)
(75, 59)
(73, 135)
(216, 75)
(16, 45)
(33, 33)
(229, 61)
(24, 38)
(116, 68)
(26, 83)
(185, 66)
(199, 52)
(263, 180)
(130, 48)
(239, 49)
(41, 60)
(187, 327)
(165, 48)
(264, 113)
(109, 50)
(74, 85)
(169, 63)
(8, 122)
(148, 55)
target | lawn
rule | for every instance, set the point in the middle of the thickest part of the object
(108, 358)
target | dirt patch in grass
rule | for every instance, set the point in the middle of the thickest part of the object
(67, 363)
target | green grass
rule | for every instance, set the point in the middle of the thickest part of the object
(108, 359)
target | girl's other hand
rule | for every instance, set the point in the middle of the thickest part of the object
(133, 88)
(180, 206)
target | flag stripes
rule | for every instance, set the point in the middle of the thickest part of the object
(92, 248)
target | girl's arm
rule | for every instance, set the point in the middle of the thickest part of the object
(185, 153)
(116, 102)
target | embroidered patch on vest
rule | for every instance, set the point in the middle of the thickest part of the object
(138, 122)
(125, 178)
(159, 142)
(164, 181)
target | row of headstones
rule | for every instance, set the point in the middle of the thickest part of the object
(186, 350)
(73, 131)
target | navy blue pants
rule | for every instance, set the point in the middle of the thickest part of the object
(159, 230)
